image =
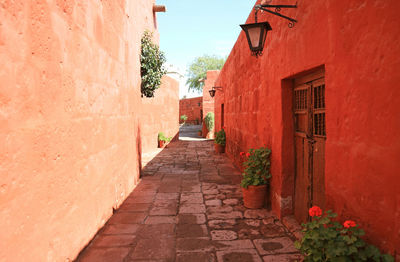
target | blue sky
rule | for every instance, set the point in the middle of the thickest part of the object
(190, 29)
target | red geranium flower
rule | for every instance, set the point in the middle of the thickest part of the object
(242, 153)
(223, 127)
(247, 154)
(315, 211)
(349, 224)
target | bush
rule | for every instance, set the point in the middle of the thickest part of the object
(220, 137)
(184, 118)
(328, 240)
(152, 65)
(256, 167)
(162, 137)
(209, 120)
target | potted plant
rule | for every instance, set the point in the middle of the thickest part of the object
(184, 118)
(199, 133)
(219, 141)
(162, 140)
(256, 177)
(325, 239)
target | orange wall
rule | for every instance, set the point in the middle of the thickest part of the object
(160, 114)
(191, 107)
(357, 42)
(69, 121)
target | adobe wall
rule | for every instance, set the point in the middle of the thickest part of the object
(357, 44)
(208, 101)
(191, 107)
(160, 114)
(69, 121)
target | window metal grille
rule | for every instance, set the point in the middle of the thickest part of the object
(300, 99)
(319, 96)
(319, 124)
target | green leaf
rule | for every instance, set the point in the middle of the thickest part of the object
(387, 258)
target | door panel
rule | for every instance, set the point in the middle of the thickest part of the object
(318, 197)
(302, 180)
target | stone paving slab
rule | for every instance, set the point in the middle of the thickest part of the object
(239, 255)
(188, 206)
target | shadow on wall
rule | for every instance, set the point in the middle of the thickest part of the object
(139, 149)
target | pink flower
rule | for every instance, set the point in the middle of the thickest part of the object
(315, 211)
(349, 224)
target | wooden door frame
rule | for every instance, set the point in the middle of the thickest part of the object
(288, 153)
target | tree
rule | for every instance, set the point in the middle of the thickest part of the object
(151, 65)
(198, 70)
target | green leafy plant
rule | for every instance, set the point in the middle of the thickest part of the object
(184, 118)
(152, 65)
(162, 137)
(327, 240)
(220, 137)
(209, 120)
(257, 167)
(198, 70)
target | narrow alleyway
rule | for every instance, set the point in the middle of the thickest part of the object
(188, 208)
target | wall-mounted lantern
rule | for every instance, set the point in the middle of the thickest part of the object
(213, 90)
(256, 33)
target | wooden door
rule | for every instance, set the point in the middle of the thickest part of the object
(310, 136)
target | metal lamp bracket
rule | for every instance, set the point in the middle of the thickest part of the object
(276, 12)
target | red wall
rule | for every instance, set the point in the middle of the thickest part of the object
(191, 107)
(69, 120)
(208, 101)
(357, 42)
(160, 114)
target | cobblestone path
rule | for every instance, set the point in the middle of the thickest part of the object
(188, 208)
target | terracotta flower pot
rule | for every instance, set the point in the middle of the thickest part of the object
(199, 133)
(161, 144)
(219, 148)
(254, 196)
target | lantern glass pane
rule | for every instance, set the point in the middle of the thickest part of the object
(254, 35)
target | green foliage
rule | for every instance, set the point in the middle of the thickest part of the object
(326, 240)
(209, 120)
(152, 65)
(184, 118)
(198, 70)
(162, 137)
(257, 167)
(220, 137)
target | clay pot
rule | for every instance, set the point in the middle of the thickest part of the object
(254, 196)
(219, 148)
(199, 133)
(161, 144)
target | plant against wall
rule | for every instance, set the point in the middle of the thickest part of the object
(162, 137)
(209, 120)
(257, 167)
(325, 239)
(184, 118)
(220, 137)
(152, 65)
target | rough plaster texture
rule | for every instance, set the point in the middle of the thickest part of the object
(208, 101)
(191, 107)
(69, 120)
(160, 114)
(357, 43)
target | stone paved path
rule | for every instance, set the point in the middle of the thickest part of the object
(188, 208)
